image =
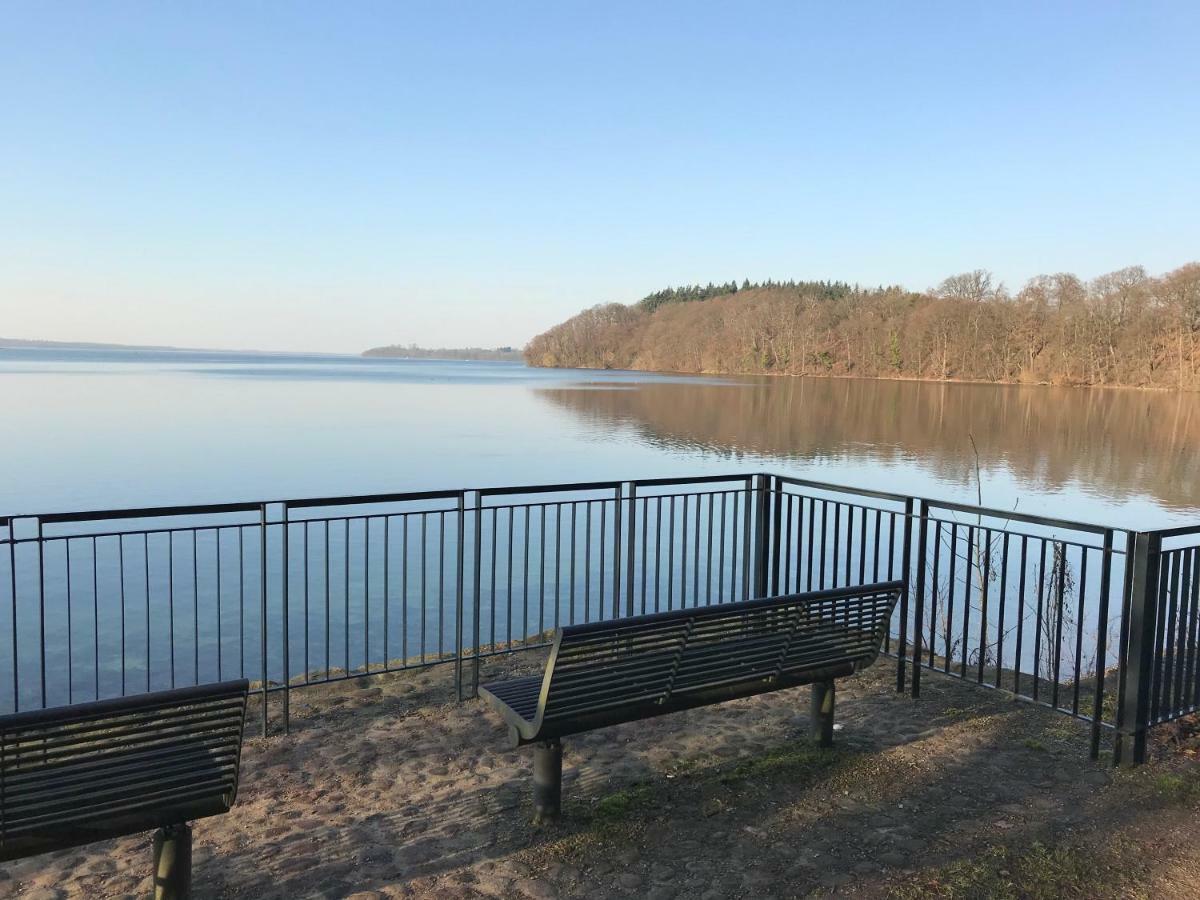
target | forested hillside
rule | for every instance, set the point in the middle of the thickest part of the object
(1124, 328)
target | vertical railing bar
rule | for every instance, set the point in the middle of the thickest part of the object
(862, 546)
(494, 566)
(1163, 655)
(967, 579)
(220, 675)
(441, 647)
(946, 662)
(574, 514)
(985, 578)
(12, 582)
(42, 606)
(70, 649)
(1037, 640)
(509, 574)
(286, 612)
(1021, 615)
(542, 572)
(96, 623)
(720, 552)
(195, 606)
(328, 602)
(683, 556)
(603, 546)
(933, 593)
(671, 556)
(1123, 638)
(366, 595)
(307, 613)
(146, 565)
(878, 534)
(849, 561)
(776, 495)
(837, 543)
(262, 618)
(1193, 677)
(557, 564)
(708, 553)
(919, 610)
(1178, 634)
(404, 590)
(1059, 595)
(812, 537)
(1003, 605)
(477, 568)
(1106, 562)
(387, 591)
(1081, 591)
(631, 550)
(241, 533)
(425, 590)
(787, 542)
(747, 513)
(617, 524)
(587, 562)
(696, 554)
(171, 601)
(525, 570)
(121, 582)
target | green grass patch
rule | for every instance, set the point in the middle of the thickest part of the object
(1034, 873)
(1034, 744)
(617, 811)
(794, 762)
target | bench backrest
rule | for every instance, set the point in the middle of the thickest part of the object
(632, 668)
(77, 774)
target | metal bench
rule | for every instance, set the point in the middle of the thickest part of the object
(78, 774)
(624, 670)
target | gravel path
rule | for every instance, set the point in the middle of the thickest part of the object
(386, 787)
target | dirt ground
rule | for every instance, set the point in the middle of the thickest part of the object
(386, 787)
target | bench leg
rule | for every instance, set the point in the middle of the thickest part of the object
(547, 780)
(822, 713)
(173, 862)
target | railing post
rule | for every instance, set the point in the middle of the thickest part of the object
(287, 604)
(477, 564)
(458, 599)
(919, 611)
(262, 614)
(1134, 702)
(761, 525)
(905, 572)
(631, 555)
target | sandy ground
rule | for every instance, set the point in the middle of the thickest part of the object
(387, 787)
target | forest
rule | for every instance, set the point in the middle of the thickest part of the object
(1125, 328)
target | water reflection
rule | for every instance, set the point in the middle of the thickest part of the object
(1111, 443)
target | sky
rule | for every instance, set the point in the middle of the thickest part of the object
(332, 176)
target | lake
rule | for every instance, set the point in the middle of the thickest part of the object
(106, 607)
(94, 429)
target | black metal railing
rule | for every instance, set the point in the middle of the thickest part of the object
(1099, 623)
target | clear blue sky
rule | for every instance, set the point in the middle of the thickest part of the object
(331, 176)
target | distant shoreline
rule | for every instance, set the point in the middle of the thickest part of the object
(450, 354)
(1153, 388)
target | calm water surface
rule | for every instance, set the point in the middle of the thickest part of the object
(89, 429)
